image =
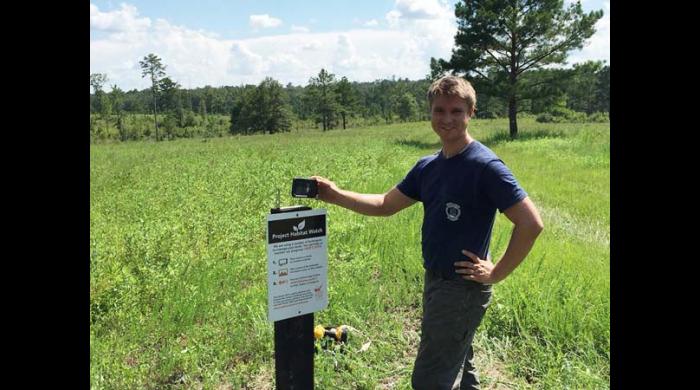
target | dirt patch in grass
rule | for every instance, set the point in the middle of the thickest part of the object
(494, 377)
(411, 328)
(263, 380)
(493, 373)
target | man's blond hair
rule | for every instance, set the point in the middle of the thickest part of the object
(453, 85)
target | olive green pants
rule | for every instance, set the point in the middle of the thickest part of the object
(452, 310)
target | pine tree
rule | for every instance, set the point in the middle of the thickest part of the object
(509, 37)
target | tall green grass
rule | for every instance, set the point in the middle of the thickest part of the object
(178, 277)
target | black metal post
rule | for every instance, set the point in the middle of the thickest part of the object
(294, 343)
(294, 353)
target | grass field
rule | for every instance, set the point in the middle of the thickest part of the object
(178, 273)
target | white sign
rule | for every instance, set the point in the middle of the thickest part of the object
(297, 263)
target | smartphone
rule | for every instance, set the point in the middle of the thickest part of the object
(304, 188)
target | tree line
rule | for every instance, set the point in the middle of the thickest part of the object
(326, 102)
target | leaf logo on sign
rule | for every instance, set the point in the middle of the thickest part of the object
(301, 226)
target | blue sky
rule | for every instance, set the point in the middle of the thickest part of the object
(234, 42)
(230, 19)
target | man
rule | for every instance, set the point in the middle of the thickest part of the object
(461, 187)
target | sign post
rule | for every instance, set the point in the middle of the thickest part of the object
(297, 252)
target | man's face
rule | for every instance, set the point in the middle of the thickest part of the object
(449, 117)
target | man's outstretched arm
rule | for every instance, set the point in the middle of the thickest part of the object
(383, 205)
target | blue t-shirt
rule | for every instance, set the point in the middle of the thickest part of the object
(460, 196)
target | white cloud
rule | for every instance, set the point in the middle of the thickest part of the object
(407, 13)
(420, 9)
(300, 29)
(243, 61)
(195, 58)
(430, 24)
(393, 17)
(598, 46)
(371, 23)
(124, 19)
(312, 45)
(345, 54)
(263, 21)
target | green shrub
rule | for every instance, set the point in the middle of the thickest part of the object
(559, 114)
(486, 115)
(168, 125)
(191, 119)
(546, 117)
(599, 117)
